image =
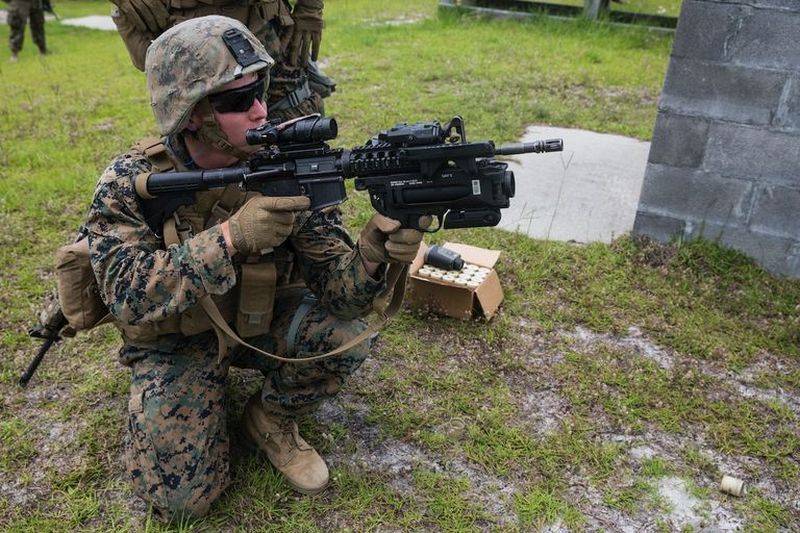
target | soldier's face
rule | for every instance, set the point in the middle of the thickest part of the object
(234, 124)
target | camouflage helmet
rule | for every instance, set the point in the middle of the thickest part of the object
(196, 58)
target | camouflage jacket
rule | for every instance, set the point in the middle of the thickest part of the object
(142, 282)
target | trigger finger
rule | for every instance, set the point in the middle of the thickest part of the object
(385, 224)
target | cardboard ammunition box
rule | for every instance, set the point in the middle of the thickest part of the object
(453, 300)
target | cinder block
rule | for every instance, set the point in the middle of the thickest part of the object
(660, 227)
(696, 195)
(726, 92)
(753, 153)
(777, 211)
(678, 140)
(787, 116)
(704, 30)
(776, 254)
(768, 39)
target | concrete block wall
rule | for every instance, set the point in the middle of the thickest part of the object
(724, 163)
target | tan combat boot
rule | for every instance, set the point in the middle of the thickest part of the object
(278, 438)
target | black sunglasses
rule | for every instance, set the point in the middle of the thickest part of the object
(238, 100)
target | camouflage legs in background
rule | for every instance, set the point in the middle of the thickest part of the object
(264, 20)
(19, 12)
(177, 451)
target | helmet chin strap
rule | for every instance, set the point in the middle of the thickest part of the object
(211, 134)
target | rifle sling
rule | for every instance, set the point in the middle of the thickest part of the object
(396, 277)
(397, 271)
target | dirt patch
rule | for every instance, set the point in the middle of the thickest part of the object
(742, 382)
(366, 451)
(543, 410)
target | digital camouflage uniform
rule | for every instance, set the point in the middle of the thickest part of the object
(267, 19)
(178, 447)
(19, 12)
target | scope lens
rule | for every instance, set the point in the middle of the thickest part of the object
(509, 187)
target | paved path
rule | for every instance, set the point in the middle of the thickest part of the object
(4, 16)
(95, 22)
(589, 192)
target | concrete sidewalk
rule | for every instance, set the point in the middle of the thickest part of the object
(95, 22)
(589, 192)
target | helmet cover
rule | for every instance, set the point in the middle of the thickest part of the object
(196, 58)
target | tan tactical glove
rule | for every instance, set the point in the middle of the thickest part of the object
(149, 16)
(382, 240)
(306, 33)
(264, 222)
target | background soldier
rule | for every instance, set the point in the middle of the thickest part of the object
(19, 12)
(247, 251)
(290, 36)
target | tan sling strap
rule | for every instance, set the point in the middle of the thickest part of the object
(395, 282)
(395, 279)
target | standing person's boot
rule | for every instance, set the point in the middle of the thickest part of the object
(43, 51)
(279, 439)
(14, 58)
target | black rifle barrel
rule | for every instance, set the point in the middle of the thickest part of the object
(549, 145)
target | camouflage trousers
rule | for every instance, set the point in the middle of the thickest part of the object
(177, 447)
(19, 12)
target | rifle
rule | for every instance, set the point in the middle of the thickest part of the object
(52, 322)
(409, 171)
(47, 7)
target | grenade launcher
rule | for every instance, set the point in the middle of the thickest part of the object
(409, 171)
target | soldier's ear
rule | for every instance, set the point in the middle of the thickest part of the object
(195, 121)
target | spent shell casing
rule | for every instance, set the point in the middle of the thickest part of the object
(733, 486)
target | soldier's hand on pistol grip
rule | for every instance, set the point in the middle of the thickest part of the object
(150, 16)
(382, 240)
(264, 222)
(307, 32)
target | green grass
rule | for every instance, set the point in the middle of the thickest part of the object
(540, 508)
(457, 392)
